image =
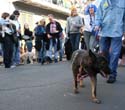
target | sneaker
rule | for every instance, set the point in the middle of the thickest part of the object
(13, 66)
(111, 79)
(55, 60)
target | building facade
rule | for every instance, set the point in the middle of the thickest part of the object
(34, 10)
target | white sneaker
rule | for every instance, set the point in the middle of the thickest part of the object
(13, 66)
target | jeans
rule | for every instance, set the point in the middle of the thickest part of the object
(50, 51)
(8, 50)
(89, 40)
(42, 52)
(75, 40)
(111, 47)
(16, 54)
(61, 51)
(1, 49)
(29, 45)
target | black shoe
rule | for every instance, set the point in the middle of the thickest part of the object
(7, 66)
(111, 79)
(42, 62)
(55, 60)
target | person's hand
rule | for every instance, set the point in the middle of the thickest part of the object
(19, 31)
(96, 28)
(49, 36)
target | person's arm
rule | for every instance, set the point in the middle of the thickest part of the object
(48, 31)
(98, 17)
(124, 25)
(67, 28)
(59, 27)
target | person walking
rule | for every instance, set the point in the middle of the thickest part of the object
(110, 21)
(89, 20)
(74, 23)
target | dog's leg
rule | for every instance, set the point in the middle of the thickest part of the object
(93, 87)
(80, 80)
(81, 84)
(75, 84)
(31, 57)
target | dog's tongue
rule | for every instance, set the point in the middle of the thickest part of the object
(103, 74)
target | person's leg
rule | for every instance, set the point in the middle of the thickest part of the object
(72, 41)
(105, 46)
(116, 44)
(61, 50)
(77, 41)
(29, 45)
(8, 51)
(6, 46)
(49, 51)
(87, 39)
(17, 54)
(56, 53)
(92, 42)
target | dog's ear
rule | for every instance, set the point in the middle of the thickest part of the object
(92, 55)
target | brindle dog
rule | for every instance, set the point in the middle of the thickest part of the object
(86, 63)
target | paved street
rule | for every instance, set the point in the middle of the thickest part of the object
(49, 87)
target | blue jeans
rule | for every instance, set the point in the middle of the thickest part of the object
(16, 54)
(111, 48)
(29, 45)
(50, 51)
(61, 51)
(75, 39)
(42, 52)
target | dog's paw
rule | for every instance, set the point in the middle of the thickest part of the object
(96, 101)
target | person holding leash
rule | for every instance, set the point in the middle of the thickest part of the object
(110, 21)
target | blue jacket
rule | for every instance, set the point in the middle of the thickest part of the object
(40, 30)
(110, 16)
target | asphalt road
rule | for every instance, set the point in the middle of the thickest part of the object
(50, 87)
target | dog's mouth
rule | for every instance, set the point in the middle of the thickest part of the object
(103, 74)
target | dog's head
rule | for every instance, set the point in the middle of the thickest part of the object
(100, 64)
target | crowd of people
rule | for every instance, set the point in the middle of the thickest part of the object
(48, 41)
(100, 31)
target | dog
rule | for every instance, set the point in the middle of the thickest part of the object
(27, 56)
(86, 63)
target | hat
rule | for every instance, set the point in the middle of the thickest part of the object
(86, 11)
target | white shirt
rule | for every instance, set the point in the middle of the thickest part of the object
(87, 26)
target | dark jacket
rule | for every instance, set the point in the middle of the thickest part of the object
(54, 35)
(28, 33)
(58, 27)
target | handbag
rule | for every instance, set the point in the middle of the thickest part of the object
(25, 37)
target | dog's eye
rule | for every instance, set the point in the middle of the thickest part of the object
(103, 63)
